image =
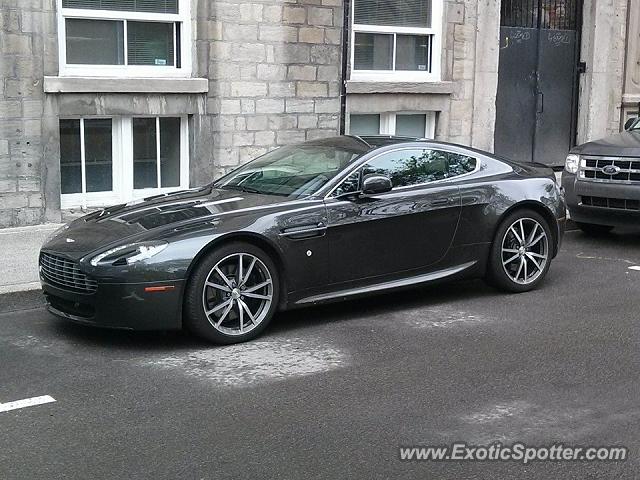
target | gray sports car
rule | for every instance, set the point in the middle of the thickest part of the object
(326, 220)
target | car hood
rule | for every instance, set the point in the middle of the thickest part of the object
(625, 144)
(135, 220)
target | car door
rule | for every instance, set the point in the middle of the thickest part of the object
(410, 227)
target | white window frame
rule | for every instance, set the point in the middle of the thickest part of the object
(123, 165)
(183, 17)
(401, 75)
(388, 122)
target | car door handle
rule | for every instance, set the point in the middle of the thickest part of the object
(539, 102)
(304, 231)
(442, 202)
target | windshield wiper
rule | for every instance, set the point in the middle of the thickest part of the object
(241, 189)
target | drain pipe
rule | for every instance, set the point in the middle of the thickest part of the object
(345, 64)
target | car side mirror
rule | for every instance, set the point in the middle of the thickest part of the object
(629, 123)
(376, 184)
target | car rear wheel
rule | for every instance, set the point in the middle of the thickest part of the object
(232, 294)
(521, 252)
(593, 229)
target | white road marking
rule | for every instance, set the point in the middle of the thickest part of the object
(635, 267)
(27, 402)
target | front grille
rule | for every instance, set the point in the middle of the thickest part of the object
(64, 273)
(592, 169)
(70, 307)
(615, 203)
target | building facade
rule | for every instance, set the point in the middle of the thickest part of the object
(108, 101)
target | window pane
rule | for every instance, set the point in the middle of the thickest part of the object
(373, 51)
(95, 42)
(364, 125)
(459, 164)
(70, 166)
(170, 152)
(413, 52)
(156, 6)
(150, 43)
(295, 171)
(411, 125)
(145, 173)
(350, 185)
(397, 13)
(410, 167)
(98, 158)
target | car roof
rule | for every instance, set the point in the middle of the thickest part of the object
(362, 143)
(367, 143)
(377, 141)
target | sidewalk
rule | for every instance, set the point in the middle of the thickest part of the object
(19, 248)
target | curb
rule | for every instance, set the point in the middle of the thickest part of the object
(19, 287)
(24, 300)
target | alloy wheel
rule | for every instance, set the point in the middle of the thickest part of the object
(237, 294)
(525, 251)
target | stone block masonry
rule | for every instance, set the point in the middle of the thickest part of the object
(26, 27)
(274, 70)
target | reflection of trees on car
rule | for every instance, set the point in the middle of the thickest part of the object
(411, 167)
(429, 166)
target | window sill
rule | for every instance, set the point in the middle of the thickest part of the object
(125, 85)
(364, 87)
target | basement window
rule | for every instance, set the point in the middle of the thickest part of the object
(104, 161)
(406, 124)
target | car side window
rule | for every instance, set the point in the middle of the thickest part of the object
(413, 167)
(410, 167)
(350, 185)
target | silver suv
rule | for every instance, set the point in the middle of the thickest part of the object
(601, 180)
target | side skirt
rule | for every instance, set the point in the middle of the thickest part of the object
(378, 287)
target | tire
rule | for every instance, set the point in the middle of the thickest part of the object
(593, 229)
(507, 247)
(217, 301)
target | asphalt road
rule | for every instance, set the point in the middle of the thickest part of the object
(333, 392)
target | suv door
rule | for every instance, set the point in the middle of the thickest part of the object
(410, 227)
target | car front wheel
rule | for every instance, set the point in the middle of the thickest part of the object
(232, 294)
(521, 252)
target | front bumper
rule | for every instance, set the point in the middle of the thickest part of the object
(119, 305)
(618, 216)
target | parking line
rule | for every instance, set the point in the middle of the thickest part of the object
(27, 402)
(635, 267)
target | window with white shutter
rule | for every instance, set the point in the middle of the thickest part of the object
(396, 40)
(134, 38)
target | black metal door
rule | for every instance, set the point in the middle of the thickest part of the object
(536, 106)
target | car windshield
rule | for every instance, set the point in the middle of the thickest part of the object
(635, 125)
(295, 171)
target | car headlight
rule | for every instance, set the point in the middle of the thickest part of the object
(128, 254)
(573, 163)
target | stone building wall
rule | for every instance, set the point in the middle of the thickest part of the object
(603, 46)
(464, 99)
(274, 70)
(631, 93)
(27, 51)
